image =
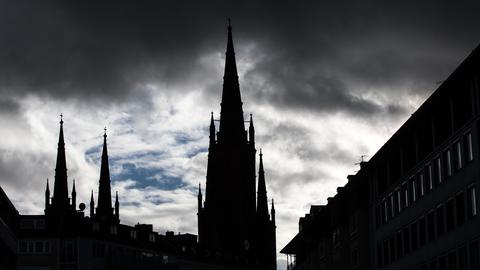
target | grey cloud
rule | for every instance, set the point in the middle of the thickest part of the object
(106, 50)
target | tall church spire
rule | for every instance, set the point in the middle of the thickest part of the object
(262, 203)
(104, 203)
(60, 188)
(232, 129)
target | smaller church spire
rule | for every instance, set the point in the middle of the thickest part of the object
(104, 203)
(117, 208)
(262, 202)
(60, 187)
(199, 197)
(212, 131)
(92, 206)
(47, 196)
(251, 132)
(74, 196)
(273, 212)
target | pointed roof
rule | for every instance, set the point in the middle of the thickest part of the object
(104, 203)
(73, 188)
(47, 189)
(262, 203)
(232, 127)
(60, 188)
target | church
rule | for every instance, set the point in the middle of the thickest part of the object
(236, 230)
(232, 218)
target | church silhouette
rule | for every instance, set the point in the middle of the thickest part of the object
(235, 229)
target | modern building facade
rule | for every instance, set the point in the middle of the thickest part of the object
(421, 188)
(234, 218)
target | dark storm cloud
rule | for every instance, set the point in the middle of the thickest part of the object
(317, 55)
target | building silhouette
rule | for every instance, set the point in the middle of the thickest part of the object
(236, 230)
(414, 204)
(8, 232)
(234, 217)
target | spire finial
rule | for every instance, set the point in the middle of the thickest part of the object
(105, 132)
(61, 118)
(261, 153)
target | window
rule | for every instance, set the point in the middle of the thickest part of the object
(151, 237)
(414, 235)
(413, 189)
(378, 215)
(429, 177)
(468, 147)
(133, 234)
(389, 207)
(440, 220)
(98, 249)
(462, 258)
(385, 210)
(404, 195)
(336, 237)
(431, 226)
(460, 208)
(379, 255)
(398, 201)
(421, 184)
(113, 230)
(442, 263)
(33, 247)
(438, 170)
(354, 258)
(450, 215)
(458, 156)
(448, 162)
(95, 227)
(452, 260)
(474, 258)
(391, 243)
(406, 240)
(471, 202)
(22, 246)
(399, 240)
(422, 231)
(385, 253)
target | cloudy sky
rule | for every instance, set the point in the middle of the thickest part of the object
(326, 81)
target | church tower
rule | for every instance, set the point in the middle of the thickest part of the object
(60, 204)
(104, 211)
(230, 220)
